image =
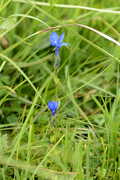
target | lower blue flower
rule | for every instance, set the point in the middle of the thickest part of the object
(53, 106)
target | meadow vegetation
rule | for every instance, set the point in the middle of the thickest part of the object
(84, 142)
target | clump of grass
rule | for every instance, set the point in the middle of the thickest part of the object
(84, 140)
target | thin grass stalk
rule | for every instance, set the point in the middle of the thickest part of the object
(66, 145)
(103, 163)
(87, 149)
(3, 174)
(80, 159)
(30, 139)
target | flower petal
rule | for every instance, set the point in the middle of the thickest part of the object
(51, 105)
(64, 44)
(54, 39)
(58, 45)
(55, 35)
(56, 104)
(61, 38)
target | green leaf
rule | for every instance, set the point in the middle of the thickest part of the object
(12, 119)
(8, 23)
(3, 142)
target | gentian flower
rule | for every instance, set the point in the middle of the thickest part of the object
(57, 42)
(53, 106)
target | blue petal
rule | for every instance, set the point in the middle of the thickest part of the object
(55, 35)
(54, 39)
(61, 38)
(51, 105)
(64, 44)
(53, 113)
(56, 104)
(58, 45)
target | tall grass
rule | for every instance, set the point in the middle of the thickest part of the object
(84, 141)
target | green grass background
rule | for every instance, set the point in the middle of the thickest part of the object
(84, 141)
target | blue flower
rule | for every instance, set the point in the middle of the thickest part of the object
(57, 42)
(53, 106)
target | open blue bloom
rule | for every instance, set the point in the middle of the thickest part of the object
(57, 42)
(53, 106)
